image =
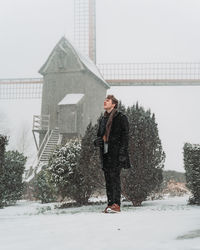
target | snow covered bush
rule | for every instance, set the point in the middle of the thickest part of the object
(192, 168)
(65, 174)
(43, 190)
(3, 143)
(13, 173)
(146, 155)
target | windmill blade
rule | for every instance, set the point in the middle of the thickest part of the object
(85, 27)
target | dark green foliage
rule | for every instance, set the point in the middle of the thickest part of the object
(14, 169)
(75, 168)
(89, 163)
(3, 143)
(192, 168)
(43, 189)
(76, 172)
(65, 174)
(146, 154)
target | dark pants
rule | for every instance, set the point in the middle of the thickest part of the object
(113, 185)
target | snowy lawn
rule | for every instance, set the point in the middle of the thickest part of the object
(157, 225)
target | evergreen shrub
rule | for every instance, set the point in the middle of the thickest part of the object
(43, 189)
(89, 161)
(65, 175)
(13, 176)
(192, 168)
(75, 169)
(146, 155)
(3, 143)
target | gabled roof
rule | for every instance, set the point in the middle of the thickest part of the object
(66, 58)
(71, 99)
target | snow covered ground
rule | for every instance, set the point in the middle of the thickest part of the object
(157, 225)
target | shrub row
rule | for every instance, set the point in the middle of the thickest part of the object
(3, 143)
(192, 168)
(74, 169)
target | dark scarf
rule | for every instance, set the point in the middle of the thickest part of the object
(109, 123)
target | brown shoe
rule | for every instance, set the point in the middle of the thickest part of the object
(106, 209)
(115, 208)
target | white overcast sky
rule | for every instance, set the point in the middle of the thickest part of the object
(127, 31)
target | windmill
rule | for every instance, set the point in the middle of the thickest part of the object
(85, 27)
(118, 74)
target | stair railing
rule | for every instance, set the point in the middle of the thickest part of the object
(44, 142)
(40, 123)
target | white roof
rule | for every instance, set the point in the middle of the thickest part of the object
(83, 60)
(71, 99)
(89, 64)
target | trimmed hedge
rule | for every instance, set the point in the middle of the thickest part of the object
(3, 143)
(43, 190)
(146, 155)
(13, 176)
(192, 168)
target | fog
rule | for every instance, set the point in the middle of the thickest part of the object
(127, 31)
(16, 121)
(176, 110)
(177, 114)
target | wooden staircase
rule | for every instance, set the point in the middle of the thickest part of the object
(51, 140)
(49, 147)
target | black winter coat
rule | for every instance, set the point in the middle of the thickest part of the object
(118, 153)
